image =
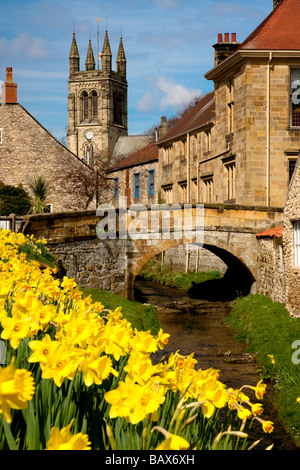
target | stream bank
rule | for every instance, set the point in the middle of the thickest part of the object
(195, 327)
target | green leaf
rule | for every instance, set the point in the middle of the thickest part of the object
(9, 437)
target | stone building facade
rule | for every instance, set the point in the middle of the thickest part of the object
(135, 177)
(97, 104)
(28, 150)
(240, 143)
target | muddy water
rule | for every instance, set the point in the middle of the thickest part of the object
(194, 326)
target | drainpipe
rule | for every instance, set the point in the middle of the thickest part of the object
(188, 196)
(268, 128)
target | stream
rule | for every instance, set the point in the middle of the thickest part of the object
(195, 326)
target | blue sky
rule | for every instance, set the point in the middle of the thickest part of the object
(168, 46)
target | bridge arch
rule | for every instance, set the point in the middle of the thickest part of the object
(237, 280)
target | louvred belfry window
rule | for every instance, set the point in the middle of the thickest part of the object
(85, 106)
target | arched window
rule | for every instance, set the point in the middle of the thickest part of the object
(95, 105)
(118, 108)
(89, 154)
(85, 106)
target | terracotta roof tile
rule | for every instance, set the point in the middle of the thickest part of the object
(146, 154)
(200, 114)
(279, 31)
(275, 232)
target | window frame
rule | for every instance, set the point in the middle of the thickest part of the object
(116, 187)
(1, 136)
(230, 105)
(151, 183)
(137, 185)
(292, 94)
(230, 183)
(296, 227)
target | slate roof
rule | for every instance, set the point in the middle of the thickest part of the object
(279, 31)
(202, 113)
(145, 155)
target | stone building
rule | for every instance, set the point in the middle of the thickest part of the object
(97, 104)
(135, 177)
(240, 143)
(279, 253)
(28, 150)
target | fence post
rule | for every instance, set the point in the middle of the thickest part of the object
(12, 222)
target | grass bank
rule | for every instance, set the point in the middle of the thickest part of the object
(274, 337)
(165, 275)
(141, 317)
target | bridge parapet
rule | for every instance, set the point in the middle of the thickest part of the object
(110, 258)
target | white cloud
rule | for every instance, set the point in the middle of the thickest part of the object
(166, 95)
(26, 45)
(174, 95)
(146, 103)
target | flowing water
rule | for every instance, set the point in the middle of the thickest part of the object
(195, 327)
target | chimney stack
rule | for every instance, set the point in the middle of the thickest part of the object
(224, 49)
(163, 128)
(9, 89)
(276, 3)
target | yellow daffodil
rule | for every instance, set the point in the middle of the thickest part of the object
(268, 426)
(271, 356)
(16, 389)
(64, 440)
(96, 369)
(172, 441)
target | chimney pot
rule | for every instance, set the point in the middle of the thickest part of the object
(9, 76)
(233, 37)
(9, 88)
(226, 37)
(220, 37)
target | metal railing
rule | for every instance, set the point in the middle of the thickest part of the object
(12, 222)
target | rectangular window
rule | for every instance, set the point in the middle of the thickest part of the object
(295, 98)
(292, 165)
(208, 189)
(230, 106)
(297, 243)
(207, 141)
(116, 187)
(151, 182)
(230, 170)
(137, 185)
(168, 194)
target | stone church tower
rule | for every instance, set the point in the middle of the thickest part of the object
(97, 104)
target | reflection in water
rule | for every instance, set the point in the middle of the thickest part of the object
(195, 327)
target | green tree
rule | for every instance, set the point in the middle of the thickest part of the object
(40, 192)
(13, 200)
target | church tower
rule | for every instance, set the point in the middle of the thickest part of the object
(97, 104)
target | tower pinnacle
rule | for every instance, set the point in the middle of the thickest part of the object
(74, 57)
(106, 55)
(90, 60)
(121, 59)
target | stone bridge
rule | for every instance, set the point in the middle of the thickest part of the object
(107, 250)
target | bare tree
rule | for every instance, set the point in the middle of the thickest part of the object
(93, 186)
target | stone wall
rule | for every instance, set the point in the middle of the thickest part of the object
(126, 184)
(271, 274)
(94, 263)
(292, 272)
(28, 150)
